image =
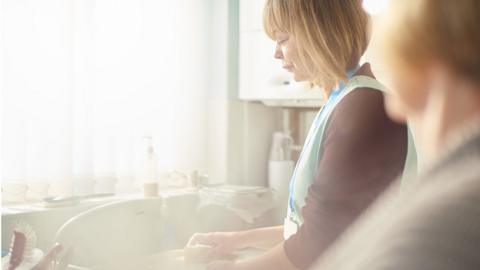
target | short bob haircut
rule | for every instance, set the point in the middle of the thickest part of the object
(424, 31)
(331, 35)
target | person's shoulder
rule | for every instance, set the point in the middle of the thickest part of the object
(360, 97)
(361, 100)
(360, 108)
(437, 225)
(442, 218)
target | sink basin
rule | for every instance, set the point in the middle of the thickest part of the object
(141, 233)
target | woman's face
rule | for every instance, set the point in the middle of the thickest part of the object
(287, 51)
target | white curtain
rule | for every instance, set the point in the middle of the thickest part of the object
(85, 80)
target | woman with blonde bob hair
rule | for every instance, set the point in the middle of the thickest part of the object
(353, 150)
(432, 48)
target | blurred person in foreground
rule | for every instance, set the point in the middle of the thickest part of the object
(432, 48)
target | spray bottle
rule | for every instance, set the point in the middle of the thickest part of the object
(280, 170)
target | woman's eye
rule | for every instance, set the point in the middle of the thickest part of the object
(283, 41)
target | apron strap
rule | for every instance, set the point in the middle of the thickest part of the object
(362, 81)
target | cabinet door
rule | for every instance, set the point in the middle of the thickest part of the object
(262, 77)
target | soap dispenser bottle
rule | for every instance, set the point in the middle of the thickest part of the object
(150, 185)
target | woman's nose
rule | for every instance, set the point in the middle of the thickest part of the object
(278, 52)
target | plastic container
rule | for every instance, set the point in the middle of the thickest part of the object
(281, 146)
(150, 189)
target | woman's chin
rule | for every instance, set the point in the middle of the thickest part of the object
(298, 78)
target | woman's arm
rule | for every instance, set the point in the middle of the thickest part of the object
(228, 242)
(262, 238)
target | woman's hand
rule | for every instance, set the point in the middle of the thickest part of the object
(223, 243)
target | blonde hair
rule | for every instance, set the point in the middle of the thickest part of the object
(422, 31)
(331, 35)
